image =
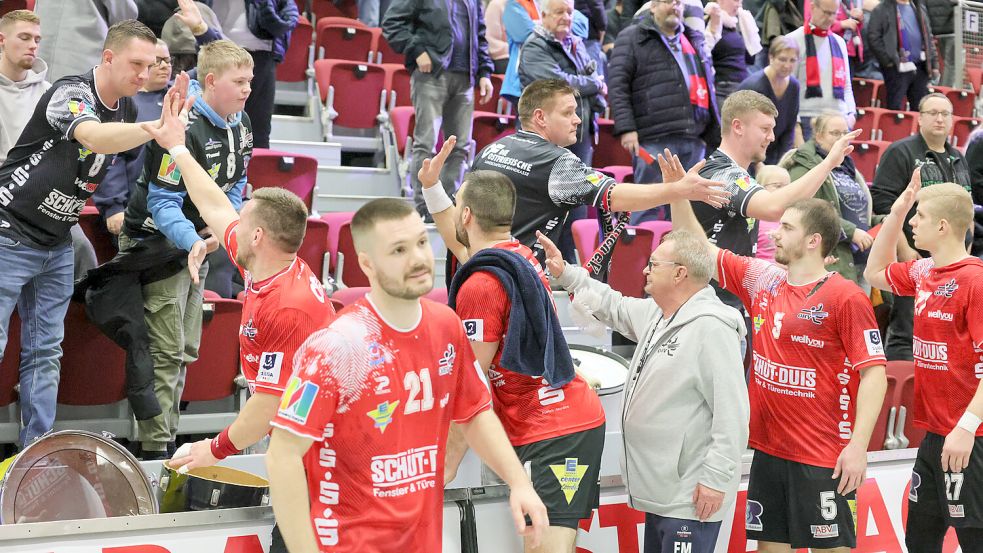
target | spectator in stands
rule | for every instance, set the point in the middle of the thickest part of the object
(114, 193)
(940, 162)
(263, 29)
(618, 18)
(849, 24)
(659, 67)
(75, 35)
(597, 20)
(941, 19)
(218, 137)
(519, 19)
(155, 13)
(371, 12)
(684, 486)
(445, 51)
(845, 188)
(899, 36)
(771, 178)
(734, 41)
(748, 120)
(60, 158)
(823, 72)
(182, 43)
(778, 18)
(552, 52)
(498, 40)
(974, 158)
(778, 85)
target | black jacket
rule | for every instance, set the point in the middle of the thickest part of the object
(894, 172)
(940, 16)
(597, 17)
(272, 20)
(882, 36)
(646, 88)
(543, 57)
(416, 26)
(113, 295)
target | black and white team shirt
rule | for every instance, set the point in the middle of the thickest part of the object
(549, 182)
(48, 176)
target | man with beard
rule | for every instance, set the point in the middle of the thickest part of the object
(549, 423)
(748, 125)
(374, 394)
(811, 419)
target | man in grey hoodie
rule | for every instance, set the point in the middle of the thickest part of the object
(685, 414)
(22, 74)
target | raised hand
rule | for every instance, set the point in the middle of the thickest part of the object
(689, 184)
(554, 259)
(903, 204)
(189, 14)
(429, 173)
(842, 147)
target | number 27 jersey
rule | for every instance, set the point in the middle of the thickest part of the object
(378, 401)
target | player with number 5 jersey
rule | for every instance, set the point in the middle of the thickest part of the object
(811, 419)
(947, 479)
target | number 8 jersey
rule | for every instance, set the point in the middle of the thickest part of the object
(378, 402)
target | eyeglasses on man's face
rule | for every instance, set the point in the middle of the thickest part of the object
(162, 61)
(653, 262)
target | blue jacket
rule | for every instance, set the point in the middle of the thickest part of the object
(534, 344)
(518, 26)
(273, 20)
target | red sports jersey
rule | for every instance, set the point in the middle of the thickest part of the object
(809, 341)
(278, 314)
(530, 409)
(947, 337)
(378, 402)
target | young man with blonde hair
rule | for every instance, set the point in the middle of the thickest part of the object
(946, 485)
(219, 137)
(22, 74)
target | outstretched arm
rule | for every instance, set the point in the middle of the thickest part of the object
(683, 217)
(885, 248)
(438, 203)
(215, 208)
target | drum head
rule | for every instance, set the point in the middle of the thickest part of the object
(73, 475)
(609, 369)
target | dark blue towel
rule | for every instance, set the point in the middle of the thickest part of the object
(534, 343)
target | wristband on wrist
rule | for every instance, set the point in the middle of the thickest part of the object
(969, 422)
(178, 150)
(222, 446)
(437, 199)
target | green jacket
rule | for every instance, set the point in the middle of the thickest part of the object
(798, 162)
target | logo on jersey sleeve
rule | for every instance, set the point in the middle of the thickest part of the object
(475, 329)
(569, 475)
(168, 170)
(297, 400)
(79, 108)
(752, 516)
(446, 362)
(872, 337)
(382, 415)
(948, 289)
(269, 367)
(815, 314)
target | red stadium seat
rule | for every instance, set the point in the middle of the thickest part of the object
(95, 230)
(348, 272)
(403, 119)
(608, 150)
(398, 85)
(325, 8)
(658, 228)
(963, 102)
(339, 40)
(881, 426)
(585, 237)
(631, 255)
(975, 77)
(900, 369)
(496, 103)
(348, 296)
(895, 125)
(869, 93)
(10, 363)
(915, 435)
(338, 306)
(384, 52)
(294, 172)
(620, 173)
(92, 366)
(314, 249)
(866, 154)
(335, 221)
(353, 92)
(11, 5)
(212, 376)
(293, 68)
(867, 120)
(488, 127)
(962, 127)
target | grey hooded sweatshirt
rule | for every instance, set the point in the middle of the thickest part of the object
(686, 411)
(17, 102)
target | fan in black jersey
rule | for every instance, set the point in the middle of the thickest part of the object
(550, 180)
(77, 128)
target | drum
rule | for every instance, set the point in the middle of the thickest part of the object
(607, 372)
(72, 475)
(207, 488)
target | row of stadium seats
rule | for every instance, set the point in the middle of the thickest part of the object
(890, 126)
(873, 93)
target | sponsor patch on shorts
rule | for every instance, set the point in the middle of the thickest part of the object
(825, 530)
